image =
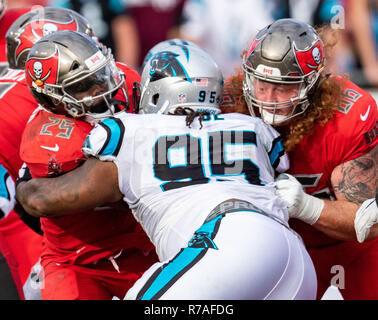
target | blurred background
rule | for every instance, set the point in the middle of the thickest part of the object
(225, 28)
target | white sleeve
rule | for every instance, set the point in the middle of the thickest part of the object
(105, 140)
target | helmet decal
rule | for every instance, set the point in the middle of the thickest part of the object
(311, 59)
(252, 46)
(41, 71)
(37, 29)
(183, 44)
(164, 64)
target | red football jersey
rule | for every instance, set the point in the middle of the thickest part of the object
(51, 145)
(8, 18)
(350, 134)
(16, 105)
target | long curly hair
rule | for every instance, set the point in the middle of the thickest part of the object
(324, 99)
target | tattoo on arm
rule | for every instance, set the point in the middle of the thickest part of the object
(356, 180)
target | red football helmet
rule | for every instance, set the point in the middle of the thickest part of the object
(34, 25)
(288, 55)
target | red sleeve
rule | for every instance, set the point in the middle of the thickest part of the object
(16, 106)
(131, 77)
(355, 125)
(51, 144)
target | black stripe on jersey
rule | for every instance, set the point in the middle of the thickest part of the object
(109, 135)
(176, 277)
(280, 154)
(171, 282)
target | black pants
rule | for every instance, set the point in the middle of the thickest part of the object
(8, 289)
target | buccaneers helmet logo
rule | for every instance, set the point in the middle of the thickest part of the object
(41, 71)
(311, 59)
(37, 29)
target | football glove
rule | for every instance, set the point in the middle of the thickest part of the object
(24, 174)
(33, 223)
(366, 217)
(299, 204)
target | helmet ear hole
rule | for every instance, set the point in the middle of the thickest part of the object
(75, 66)
(155, 98)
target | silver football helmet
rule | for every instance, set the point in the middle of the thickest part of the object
(180, 77)
(70, 73)
(289, 54)
(3, 7)
(34, 25)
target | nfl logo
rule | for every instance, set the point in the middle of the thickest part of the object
(181, 97)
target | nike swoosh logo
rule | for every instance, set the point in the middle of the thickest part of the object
(364, 116)
(55, 149)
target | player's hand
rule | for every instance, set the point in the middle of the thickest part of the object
(24, 174)
(7, 193)
(299, 204)
(366, 217)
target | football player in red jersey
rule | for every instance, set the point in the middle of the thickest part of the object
(99, 252)
(21, 36)
(17, 236)
(7, 17)
(329, 127)
(17, 104)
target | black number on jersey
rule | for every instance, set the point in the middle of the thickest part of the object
(189, 174)
(218, 142)
(192, 170)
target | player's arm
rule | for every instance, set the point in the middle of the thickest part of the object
(353, 182)
(93, 184)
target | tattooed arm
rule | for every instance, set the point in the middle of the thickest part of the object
(353, 182)
(93, 184)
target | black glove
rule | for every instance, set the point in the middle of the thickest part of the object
(33, 223)
(24, 175)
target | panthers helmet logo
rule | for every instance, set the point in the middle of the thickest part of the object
(165, 64)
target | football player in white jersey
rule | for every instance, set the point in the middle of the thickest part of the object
(202, 188)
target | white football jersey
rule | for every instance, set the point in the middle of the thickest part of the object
(172, 175)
